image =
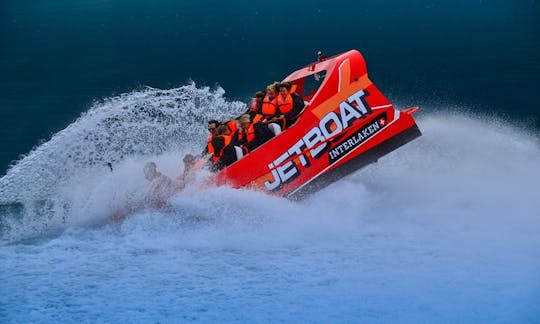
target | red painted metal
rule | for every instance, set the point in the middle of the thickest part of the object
(345, 117)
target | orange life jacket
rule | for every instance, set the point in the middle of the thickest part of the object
(248, 134)
(254, 105)
(217, 155)
(257, 118)
(293, 88)
(284, 104)
(209, 145)
(269, 106)
(232, 126)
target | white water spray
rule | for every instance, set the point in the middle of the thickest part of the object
(463, 166)
(67, 180)
(450, 218)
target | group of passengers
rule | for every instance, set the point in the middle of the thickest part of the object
(268, 115)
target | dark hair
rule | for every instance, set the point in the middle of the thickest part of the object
(260, 94)
(213, 121)
(222, 129)
(286, 85)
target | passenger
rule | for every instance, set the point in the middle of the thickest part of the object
(256, 104)
(161, 187)
(220, 141)
(234, 129)
(284, 105)
(212, 127)
(290, 105)
(232, 125)
(250, 136)
(298, 105)
(269, 104)
(189, 162)
(254, 135)
(159, 190)
(246, 132)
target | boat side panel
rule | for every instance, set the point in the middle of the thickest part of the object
(352, 144)
(358, 162)
(347, 117)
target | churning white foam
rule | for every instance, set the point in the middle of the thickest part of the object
(67, 180)
(464, 170)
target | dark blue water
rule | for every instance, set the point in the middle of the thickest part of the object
(57, 57)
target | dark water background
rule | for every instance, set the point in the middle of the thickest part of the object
(57, 57)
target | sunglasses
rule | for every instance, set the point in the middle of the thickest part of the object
(211, 129)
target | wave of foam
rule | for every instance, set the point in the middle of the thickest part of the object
(450, 218)
(67, 181)
(462, 167)
(468, 180)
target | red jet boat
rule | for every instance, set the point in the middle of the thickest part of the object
(347, 124)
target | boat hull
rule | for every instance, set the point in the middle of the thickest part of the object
(347, 124)
(353, 165)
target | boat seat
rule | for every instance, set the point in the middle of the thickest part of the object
(275, 128)
(239, 153)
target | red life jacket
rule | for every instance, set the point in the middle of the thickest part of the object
(232, 126)
(292, 89)
(209, 145)
(269, 106)
(285, 104)
(257, 118)
(248, 134)
(217, 155)
(254, 105)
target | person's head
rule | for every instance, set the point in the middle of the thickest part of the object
(244, 121)
(188, 160)
(283, 89)
(212, 126)
(259, 96)
(150, 171)
(271, 90)
(223, 130)
(287, 85)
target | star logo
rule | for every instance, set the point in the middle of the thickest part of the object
(382, 121)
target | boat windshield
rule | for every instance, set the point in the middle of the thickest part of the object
(308, 86)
